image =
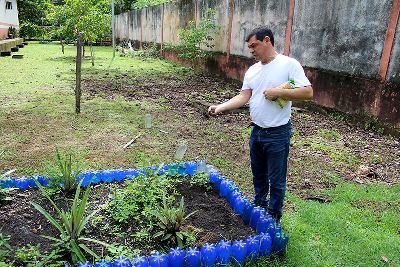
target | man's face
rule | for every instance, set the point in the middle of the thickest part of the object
(258, 48)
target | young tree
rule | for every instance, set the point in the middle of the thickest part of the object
(90, 17)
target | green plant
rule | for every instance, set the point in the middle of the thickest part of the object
(375, 159)
(193, 38)
(138, 4)
(4, 246)
(65, 173)
(330, 134)
(30, 30)
(71, 225)
(116, 250)
(137, 198)
(200, 179)
(28, 255)
(170, 222)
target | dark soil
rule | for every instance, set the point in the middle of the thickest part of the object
(214, 220)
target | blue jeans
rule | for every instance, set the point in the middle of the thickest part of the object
(269, 151)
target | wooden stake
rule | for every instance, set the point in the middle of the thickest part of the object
(78, 74)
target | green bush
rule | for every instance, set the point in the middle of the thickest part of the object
(138, 198)
(193, 38)
(30, 30)
(170, 222)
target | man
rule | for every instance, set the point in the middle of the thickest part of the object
(270, 136)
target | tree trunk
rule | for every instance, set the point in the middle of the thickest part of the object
(78, 74)
(92, 53)
(83, 45)
(62, 45)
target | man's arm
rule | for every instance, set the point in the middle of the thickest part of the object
(233, 103)
(298, 93)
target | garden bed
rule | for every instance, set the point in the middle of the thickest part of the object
(212, 219)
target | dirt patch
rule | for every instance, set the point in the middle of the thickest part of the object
(357, 155)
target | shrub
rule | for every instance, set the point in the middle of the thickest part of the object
(71, 225)
(193, 38)
(170, 222)
(64, 172)
(30, 30)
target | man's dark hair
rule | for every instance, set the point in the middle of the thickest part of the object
(260, 34)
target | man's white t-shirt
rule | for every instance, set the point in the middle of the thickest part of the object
(258, 77)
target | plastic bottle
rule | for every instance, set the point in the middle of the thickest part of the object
(140, 261)
(265, 244)
(201, 166)
(176, 257)
(253, 245)
(180, 152)
(96, 177)
(147, 121)
(223, 190)
(21, 183)
(86, 177)
(214, 177)
(223, 251)
(233, 196)
(239, 252)
(158, 260)
(122, 262)
(191, 168)
(103, 263)
(44, 181)
(248, 208)
(239, 204)
(193, 257)
(31, 182)
(263, 223)
(182, 169)
(255, 215)
(86, 264)
(208, 255)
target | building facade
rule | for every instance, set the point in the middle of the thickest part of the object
(8, 17)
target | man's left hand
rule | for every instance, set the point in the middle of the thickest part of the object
(272, 93)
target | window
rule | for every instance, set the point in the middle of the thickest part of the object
(8, 5)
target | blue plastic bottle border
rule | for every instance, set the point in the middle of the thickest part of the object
(253, 216)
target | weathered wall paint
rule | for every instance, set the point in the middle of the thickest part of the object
(339, 42)
(340, 35)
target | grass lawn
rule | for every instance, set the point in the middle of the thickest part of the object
(357, 224)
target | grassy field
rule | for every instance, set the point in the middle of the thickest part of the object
(358, 226)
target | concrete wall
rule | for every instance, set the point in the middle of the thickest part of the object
(340, 35)
(337, 41)
(8, 17)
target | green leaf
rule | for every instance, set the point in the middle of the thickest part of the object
(48, 217)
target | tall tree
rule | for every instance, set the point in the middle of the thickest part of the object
(32, 10)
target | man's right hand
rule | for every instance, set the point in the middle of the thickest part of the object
(214, 110)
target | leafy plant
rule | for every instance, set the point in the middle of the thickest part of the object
(64, 173)
(170, 222)
(146, 3)
(193, 38)
(200, 179)
(71, 225)
(137, 198)
(116, 250)
(4, 246)
(28, 255)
